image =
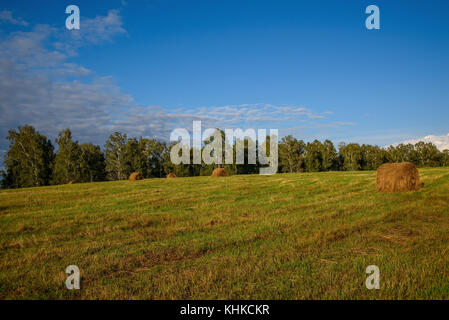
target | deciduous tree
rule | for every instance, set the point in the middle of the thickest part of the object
(29, 159)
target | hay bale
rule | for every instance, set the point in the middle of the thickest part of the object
(171, 175)
(397, 177)
(135, 176)
(219, 172)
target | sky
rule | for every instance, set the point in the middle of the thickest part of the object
(145, 67)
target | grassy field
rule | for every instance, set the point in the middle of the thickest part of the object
(287, 236)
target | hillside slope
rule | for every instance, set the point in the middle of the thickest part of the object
(287, 236)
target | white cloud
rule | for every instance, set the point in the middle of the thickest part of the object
(98, 29)
(40, 86)
(7, 17)
(441, 142)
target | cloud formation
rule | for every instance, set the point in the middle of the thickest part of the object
(441, 142)
(40, 86)
(97, 30)
(7, 17)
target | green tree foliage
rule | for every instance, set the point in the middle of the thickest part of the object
(445, 158)
(135, 156)
(246, 167)
(68, 159)
(291, 154)
(421, 154)
(92, 163)
(154, 152)
(206, 169)
(351, 156)
(329, 156)
(118, 160)
(373, 157)
(427, 155)
(180, 170)
(313, 156)
(29, 159)
(401, 153)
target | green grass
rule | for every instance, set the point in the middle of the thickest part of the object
(287, 236)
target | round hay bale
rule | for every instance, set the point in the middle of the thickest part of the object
(171, 175)
(135, 176)
(219, 172)
(397, 177)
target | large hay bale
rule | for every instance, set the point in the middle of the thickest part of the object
(397, 177)
(171, 175)
(135, 176)
(219, 172)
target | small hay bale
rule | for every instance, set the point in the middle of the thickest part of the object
(219, 172)
(171, 175)
(135, 176)
(397, 177)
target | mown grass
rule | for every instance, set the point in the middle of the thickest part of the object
(287, 236)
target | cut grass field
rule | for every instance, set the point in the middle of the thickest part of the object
(287, 236)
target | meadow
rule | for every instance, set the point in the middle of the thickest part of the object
(285, 236)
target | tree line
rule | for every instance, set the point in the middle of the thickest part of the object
(31, 159)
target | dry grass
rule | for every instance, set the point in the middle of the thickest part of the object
(397, 177)
(135, 176)
(289, 236)
(219, 172)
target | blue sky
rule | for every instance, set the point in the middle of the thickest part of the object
(307, 68)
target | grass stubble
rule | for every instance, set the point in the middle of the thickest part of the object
(286, 236)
